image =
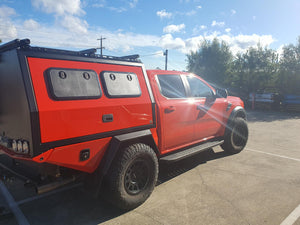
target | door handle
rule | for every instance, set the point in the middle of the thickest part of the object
(170, 109)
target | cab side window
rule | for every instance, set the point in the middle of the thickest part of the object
(171, 86)
(198, 88)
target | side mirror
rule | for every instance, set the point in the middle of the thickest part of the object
(221, 93)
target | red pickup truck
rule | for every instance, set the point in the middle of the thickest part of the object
(65, 114)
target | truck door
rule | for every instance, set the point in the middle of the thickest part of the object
(176, 125)
(208, 109)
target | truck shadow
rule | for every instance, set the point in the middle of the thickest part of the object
(270, 116)
(169, 171)
(75, 206)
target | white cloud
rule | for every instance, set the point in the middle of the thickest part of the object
(219, 24)
(190, 13)
(60, 7)
(7, 28)
(174, 28)
(31, 24)
(98, 5)
(198, 29)
(168, 42)
(280, 51)
(75, 24)
(117, 9)
(232, 11)
(67, 13)
(6, 11)
(163, 14)
(239, 43)
(228, 30)
(133, 3)
(199, 7)
(245, 41)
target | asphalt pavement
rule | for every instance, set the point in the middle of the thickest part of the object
(260, 185)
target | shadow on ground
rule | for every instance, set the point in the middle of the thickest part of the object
(77, 207)
(270, 116)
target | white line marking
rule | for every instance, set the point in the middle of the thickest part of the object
(292, 218)
(267, 153)
(13, 206)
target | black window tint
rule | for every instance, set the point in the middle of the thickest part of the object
(73, 84)
(198, 88)
(171, 86)
(120, 84)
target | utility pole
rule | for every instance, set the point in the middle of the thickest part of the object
(100, 39)
(166, 63)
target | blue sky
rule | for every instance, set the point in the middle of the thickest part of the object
(149, 27)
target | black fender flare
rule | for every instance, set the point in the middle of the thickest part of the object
(238, 111)
(115, 145)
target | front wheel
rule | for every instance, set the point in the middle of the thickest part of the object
(236, 136)
(132, 176)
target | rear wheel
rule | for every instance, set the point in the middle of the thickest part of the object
(236, 136)
(132, 176)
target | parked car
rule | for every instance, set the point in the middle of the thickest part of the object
(264, 100)
(291, 102)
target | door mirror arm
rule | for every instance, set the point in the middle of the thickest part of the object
(221, 93)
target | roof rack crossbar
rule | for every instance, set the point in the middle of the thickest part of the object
(14, 44)
(90, 51)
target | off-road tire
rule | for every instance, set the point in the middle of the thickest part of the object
(132, 176)
(236, 136)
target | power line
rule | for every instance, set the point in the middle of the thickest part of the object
(157, 53)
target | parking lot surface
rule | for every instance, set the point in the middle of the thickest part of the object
(260, 185)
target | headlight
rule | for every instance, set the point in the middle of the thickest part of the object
(14, 145)
(25, 147)
(19, 146)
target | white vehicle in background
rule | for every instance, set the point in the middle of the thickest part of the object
(264, 100)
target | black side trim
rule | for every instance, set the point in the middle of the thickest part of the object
(49, 145)
(133, 135)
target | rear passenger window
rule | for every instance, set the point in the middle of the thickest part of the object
(73, 84)
(120, 84)
(171, 86)
(198, 88)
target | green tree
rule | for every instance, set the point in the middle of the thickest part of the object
(211, 61)
(255, 69)
(289, 73)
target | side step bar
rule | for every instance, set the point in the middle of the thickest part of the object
(181, 154)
